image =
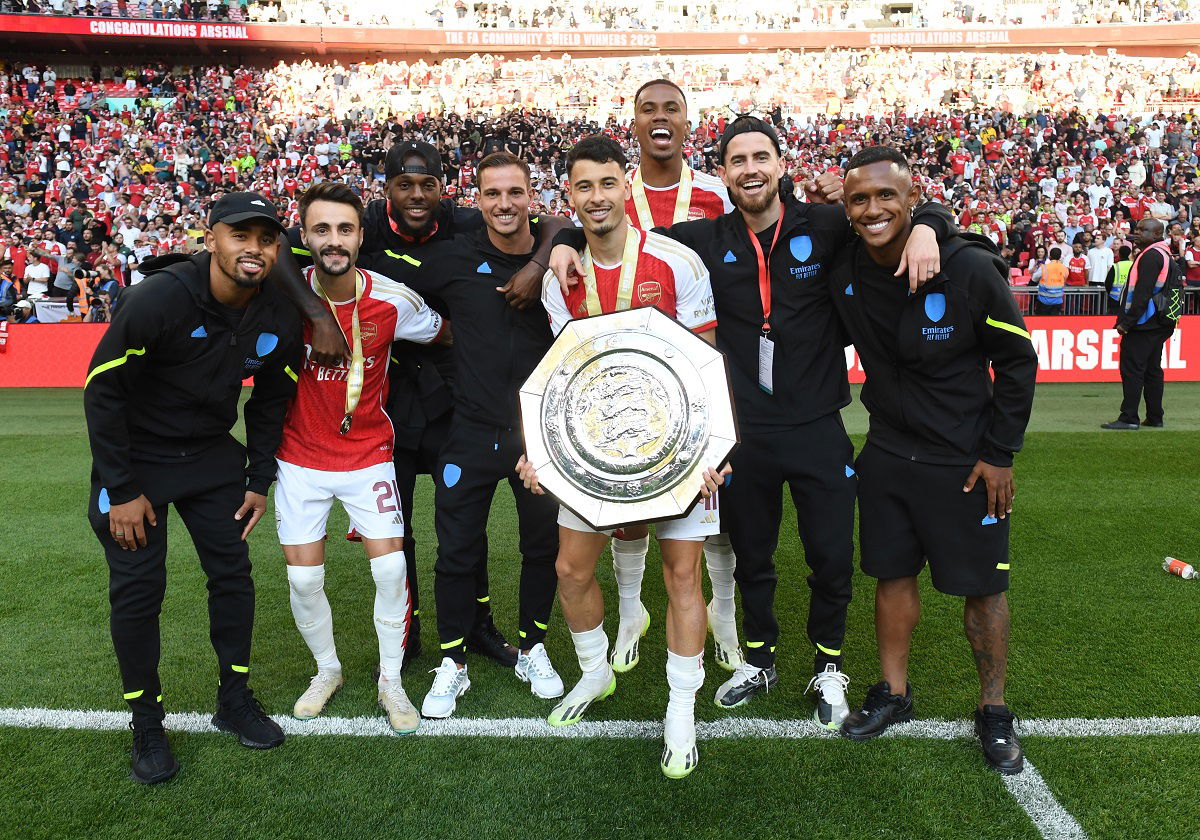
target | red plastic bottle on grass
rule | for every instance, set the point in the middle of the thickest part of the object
(1178, 567)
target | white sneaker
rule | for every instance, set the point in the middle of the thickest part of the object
(625, 649)
(587, 691)
(726, 651)
(830, 686)
(449, 683)
(401, 714)
(316, 697)
(536, 669)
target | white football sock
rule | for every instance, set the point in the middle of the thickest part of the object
(591, 648)
(629, 566)
(314, 619)
(391, 611)
(685, 676)
(720, 559)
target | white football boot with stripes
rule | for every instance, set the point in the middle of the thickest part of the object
(625, 648)
(590, 689)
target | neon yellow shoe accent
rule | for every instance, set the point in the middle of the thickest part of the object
(677, 763)
(576, 703)
(625, 654)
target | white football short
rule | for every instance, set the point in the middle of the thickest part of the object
(304, 496)
(701, 523)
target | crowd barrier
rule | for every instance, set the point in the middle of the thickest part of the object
(1070, 349)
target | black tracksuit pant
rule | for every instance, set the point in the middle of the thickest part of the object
(206, 493)
(1141, 373)
(814, 461)
(475, 458)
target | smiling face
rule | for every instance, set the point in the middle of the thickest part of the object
(504, 199)
(660, 122)
(414, 197)
(333, 233)
(879, 201)
(597, 192)
(244, 252)
(751, 171)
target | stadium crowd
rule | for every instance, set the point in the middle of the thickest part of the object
(104, 169)
(717, 15)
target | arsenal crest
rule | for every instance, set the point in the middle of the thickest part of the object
(649, 292)
(369, 332)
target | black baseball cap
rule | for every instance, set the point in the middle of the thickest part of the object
(746, 124)
(232, 208)
(431, 160)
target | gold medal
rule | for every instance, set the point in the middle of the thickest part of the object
(629, 263)
(683, 199)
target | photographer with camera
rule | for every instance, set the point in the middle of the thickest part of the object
(99, 308)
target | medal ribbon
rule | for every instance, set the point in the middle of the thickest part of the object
(683, 199)
(629, 262)
(354, 379)
(764, 270)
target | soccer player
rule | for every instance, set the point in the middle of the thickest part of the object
(496, 348)
(402, 228)
(935, 479)
(161, 397)
(664, 190)
(627, 268)
(337, 444)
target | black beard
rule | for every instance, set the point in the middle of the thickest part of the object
(324, 266)
(769, 196)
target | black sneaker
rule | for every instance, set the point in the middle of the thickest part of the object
(747, 681)
(1153, 424)
(151, 758)
(1001, 750)
(245, 717)
(1120, 425)
(487, 639)
(879, 711)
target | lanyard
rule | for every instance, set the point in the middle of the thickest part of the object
(396, 228)
(629, 263)
(683, 199)
(764, 270)
(354, 379)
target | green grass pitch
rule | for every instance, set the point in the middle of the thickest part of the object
(1099, 631)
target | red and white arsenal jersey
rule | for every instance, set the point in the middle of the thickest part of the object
(387, 311)
(670, 277)
(709, 200)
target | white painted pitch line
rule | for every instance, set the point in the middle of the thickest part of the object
(1051, 819)
(732, 727)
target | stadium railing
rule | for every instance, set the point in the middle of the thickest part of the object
(1078, 300)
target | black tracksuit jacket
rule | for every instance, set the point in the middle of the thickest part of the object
(165, 380)
(929, 387)
(496, 346)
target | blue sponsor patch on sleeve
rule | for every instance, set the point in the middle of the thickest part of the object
(265, 344)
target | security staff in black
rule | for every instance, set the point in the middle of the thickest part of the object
(496, 347)
(160, 398)
(787, 370)
(935, 477)
(1147, 312)
(398, 230)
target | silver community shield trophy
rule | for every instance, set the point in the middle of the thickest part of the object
(623, 415)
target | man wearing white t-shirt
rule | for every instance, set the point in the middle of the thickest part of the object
(37, 276)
